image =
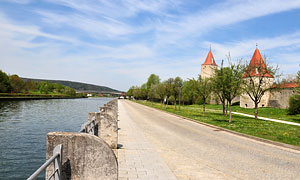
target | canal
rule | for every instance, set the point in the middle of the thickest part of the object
(25, 124)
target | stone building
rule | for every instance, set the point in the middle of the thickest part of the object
(207, 71)
(209, 66)
(277, 97)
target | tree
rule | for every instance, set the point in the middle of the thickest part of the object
(188, 92)
(151, 93)
(136, 92)
(4, 82)
(168, 89)
(218, 85)
(232, 83)
(16, 83)
(298, 82)
(130, 92)
(143, 91)
(30, 86)
(176, 90)
(152, 80)
(70, 91)
(160, 90)
(257, 80)
(203, 86)
(294, 101)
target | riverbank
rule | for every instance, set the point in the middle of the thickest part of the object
(273, 131)
(21, 96)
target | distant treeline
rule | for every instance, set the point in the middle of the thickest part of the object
(80, 87)
(14, 84)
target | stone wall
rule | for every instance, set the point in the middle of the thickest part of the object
(280, 98)
(208, 71)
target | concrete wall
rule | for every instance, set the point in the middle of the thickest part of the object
(107, 128)
(84, 156)
(111, 110)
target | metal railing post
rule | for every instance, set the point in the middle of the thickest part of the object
(56, 160)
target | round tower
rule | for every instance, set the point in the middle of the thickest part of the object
(209, 66)
(257, 71)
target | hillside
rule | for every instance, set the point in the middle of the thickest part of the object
(78, 86)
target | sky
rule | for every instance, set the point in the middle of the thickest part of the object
(119, 43)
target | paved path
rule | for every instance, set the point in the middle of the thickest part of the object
(137, 157)
(268, 119)
(193, 151)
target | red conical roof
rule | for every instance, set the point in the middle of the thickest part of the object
(257, 62)
(210, 59)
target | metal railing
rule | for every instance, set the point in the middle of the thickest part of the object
(56, 160)
(89, 127)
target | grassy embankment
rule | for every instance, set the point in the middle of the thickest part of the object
(284, 133)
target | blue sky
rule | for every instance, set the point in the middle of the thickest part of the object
(120, 43)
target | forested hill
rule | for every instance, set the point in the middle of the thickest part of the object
(80, 87)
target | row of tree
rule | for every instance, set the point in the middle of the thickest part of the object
(226, 84)
(14, 84)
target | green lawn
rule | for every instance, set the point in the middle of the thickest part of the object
(284, 133)
(268, 112)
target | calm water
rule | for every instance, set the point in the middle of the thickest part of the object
(24, 125)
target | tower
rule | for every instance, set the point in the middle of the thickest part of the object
(209, 66)
(256, 71)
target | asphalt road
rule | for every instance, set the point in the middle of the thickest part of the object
(194, 151)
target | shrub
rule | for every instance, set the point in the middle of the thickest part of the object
(294, 105)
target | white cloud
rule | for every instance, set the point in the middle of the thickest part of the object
(218, 15)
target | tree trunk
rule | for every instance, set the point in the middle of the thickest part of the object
(161, 102)
(223, 103)
(167, 102)
(179, 104)
(226, 108)
(256, 110)
(230, 117)
(203, 107)
(175, 104)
